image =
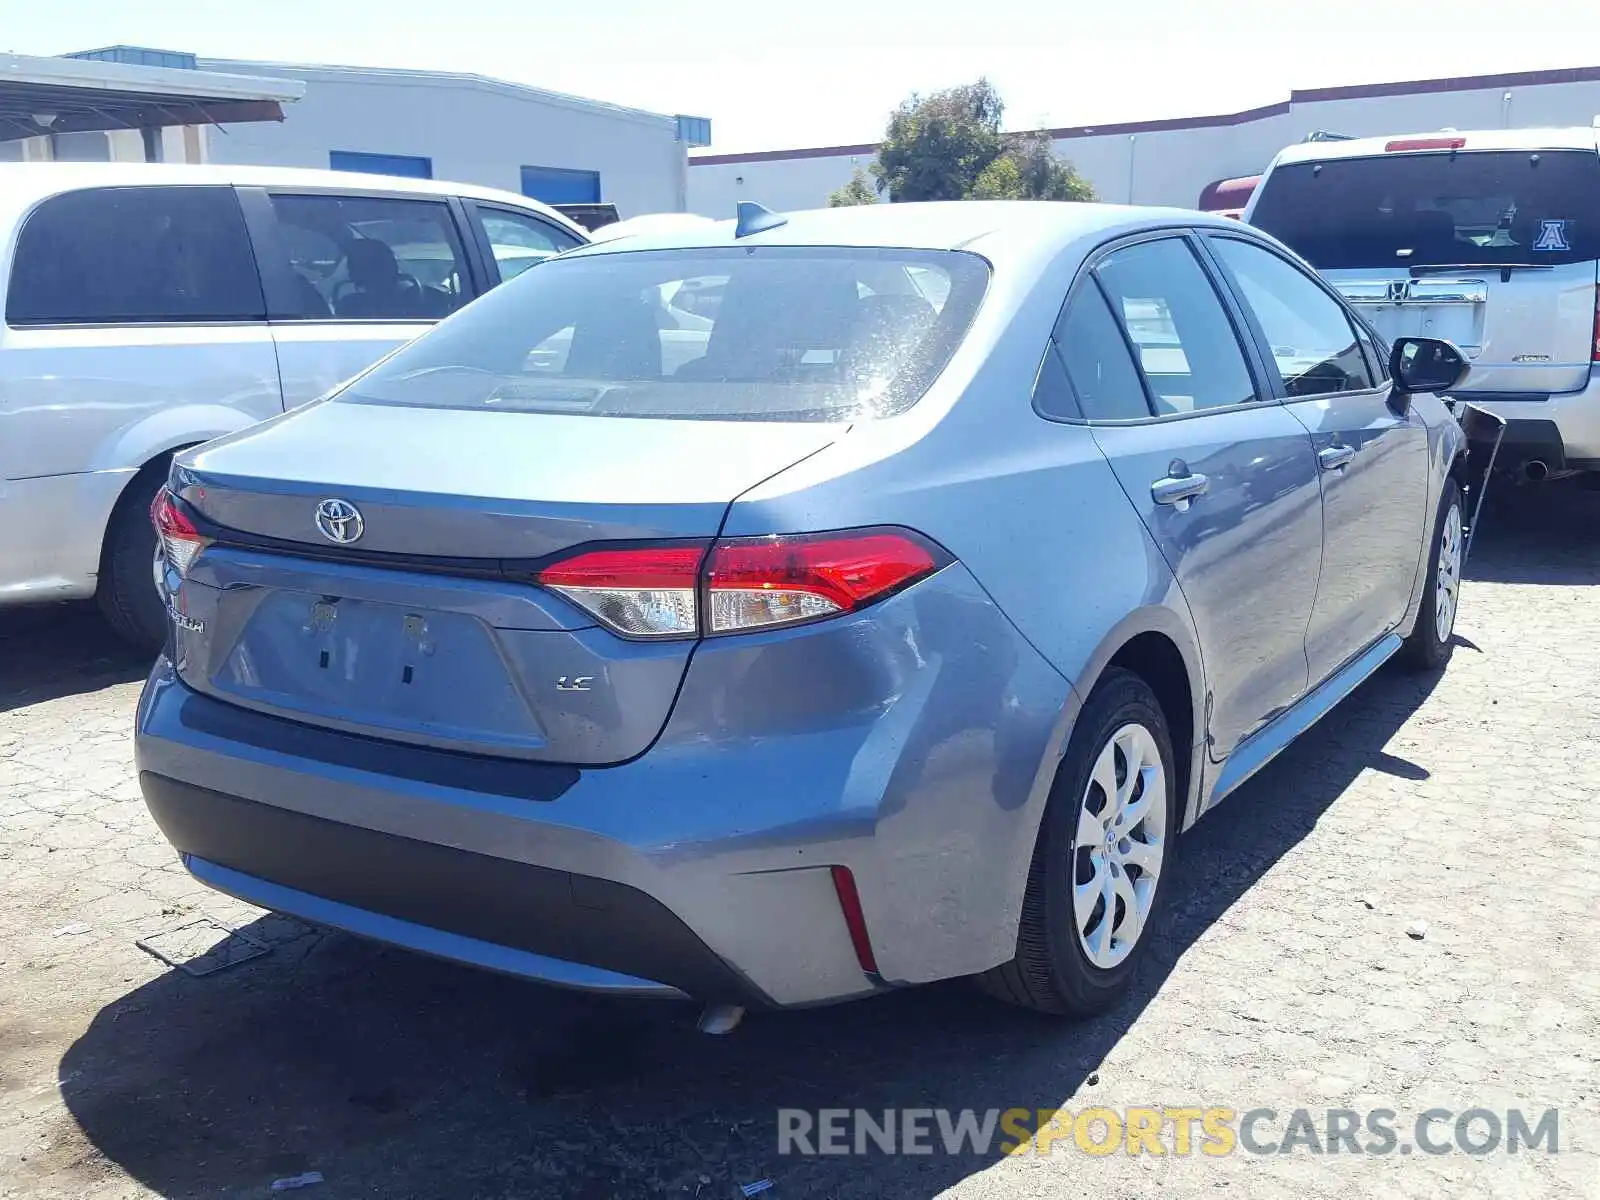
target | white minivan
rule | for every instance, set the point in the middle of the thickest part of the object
(1490, 240)
(152, 307)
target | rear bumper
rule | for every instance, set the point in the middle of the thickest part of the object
(1562, 430)
(919, 757)
(515, 917)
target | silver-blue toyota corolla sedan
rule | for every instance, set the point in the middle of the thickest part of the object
(783, 610)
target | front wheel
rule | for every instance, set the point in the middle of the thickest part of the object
(1431, 642)
(1099, 868)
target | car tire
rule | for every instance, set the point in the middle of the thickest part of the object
(1432, 642)
(127, 594)
(1067, 962)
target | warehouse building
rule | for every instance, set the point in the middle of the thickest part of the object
(126, 103)
(1191, 161)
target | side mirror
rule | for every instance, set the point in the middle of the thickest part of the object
(1419, 364)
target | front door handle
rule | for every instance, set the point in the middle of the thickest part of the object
(1180, 487)
(1336, 458)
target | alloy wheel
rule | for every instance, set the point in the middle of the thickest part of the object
(1447, 583)
(1120, 845)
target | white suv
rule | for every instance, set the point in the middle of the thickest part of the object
(148, 308)
(1488, 240)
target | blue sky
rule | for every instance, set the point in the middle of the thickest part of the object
(775, 74)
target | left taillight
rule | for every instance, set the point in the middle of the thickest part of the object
(736, 585)
(180, 540)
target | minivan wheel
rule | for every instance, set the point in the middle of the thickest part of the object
(1430, 645)
(1101, 864)
(128, 594)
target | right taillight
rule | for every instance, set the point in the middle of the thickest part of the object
(180, 540)
(740, 584)
(756, 583)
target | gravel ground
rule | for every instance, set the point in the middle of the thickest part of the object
(1282, 977)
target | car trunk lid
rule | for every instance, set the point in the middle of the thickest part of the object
(429, 626)
(1524, 330)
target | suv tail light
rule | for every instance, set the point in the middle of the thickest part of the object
(180, 540)
(739, 584)
(1595, 355)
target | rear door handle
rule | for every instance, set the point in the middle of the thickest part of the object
(1336, 458)
(1180, 487)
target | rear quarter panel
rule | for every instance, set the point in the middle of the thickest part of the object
(1032, 511)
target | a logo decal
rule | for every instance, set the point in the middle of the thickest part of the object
(574, 683)
(340, 521)
(1552, 236)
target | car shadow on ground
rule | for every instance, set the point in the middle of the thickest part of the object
(393, 1075)
(61, 650)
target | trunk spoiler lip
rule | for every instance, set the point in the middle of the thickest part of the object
(504, 570)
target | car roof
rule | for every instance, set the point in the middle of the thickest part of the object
(1576, 137)
(993, 228)
(24, 184)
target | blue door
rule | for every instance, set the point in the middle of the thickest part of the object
(408, 166)
(1223, 476)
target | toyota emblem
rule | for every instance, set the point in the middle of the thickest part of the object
(340, 521)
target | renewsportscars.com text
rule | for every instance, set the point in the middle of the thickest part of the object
(1176, 1130)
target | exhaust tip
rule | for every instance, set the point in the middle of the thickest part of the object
(1536, 470)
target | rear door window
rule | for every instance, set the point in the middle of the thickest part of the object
(518, 241)
(369, 258)
(1467, 208)
(1311, 338)
(773, 333)
(135, 255)
(1178, 326)
(1104, 379)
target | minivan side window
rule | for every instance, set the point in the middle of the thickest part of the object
(1313, 342)
(518, 240)
(1103, 377)
(1176, 321)
(374, 258)
(135, 255)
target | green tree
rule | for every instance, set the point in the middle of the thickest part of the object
(858, 191)
(936, 146)
(949, 146)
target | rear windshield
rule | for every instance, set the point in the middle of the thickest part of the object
(1496, 208)
(726, 333)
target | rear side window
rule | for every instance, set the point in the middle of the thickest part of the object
(1096, 357)
(1312, 340)
(750, 333)
(373, 258)
(1468, 208)
(1177, 324)
(135, 255)
(518, 241)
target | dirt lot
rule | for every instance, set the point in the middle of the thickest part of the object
(1283, 976)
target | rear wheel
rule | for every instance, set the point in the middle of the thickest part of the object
(128, 593)
(1430, 645)
(1099, 868)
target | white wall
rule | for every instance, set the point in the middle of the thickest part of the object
(787, 185)
(475, 131)
(1171, 166)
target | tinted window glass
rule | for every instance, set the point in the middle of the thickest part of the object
(795, 334)
(369, 258)
(1097, 360)
(130, 255)
(1377, 352)
(1313, 342)
(1186, 343)
(518, 241)
(1052, 394)
(1471, 208)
